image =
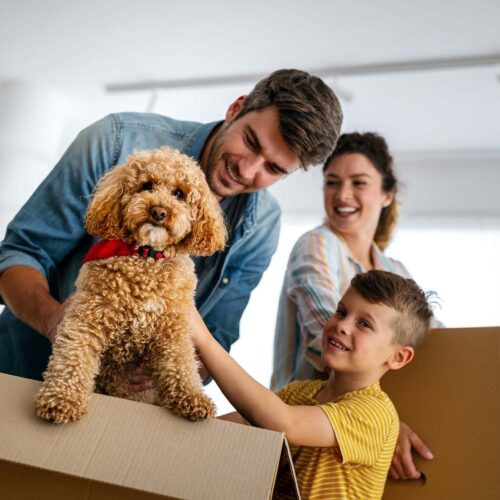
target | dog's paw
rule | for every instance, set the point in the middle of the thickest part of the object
(199, 407)
(59, 409)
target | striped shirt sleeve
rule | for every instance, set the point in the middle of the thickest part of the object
(315, 288)
(362, 425)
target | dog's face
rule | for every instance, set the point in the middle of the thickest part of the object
(158, 198)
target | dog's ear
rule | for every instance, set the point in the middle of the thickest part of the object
(209, 233)
(103, 217)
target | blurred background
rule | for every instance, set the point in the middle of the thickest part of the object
(426, 75)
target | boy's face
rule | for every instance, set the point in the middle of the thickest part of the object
(358, 338)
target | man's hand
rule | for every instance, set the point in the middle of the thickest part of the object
(402, 466)
(138, 381)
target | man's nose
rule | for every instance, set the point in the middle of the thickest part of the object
(250, 164)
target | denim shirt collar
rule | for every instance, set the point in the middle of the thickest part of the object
(250, 211)
(195, 146)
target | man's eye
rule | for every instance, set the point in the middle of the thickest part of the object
(178, 193)
(147, 186)
(250, 142)
(360, 183)
(273, 170)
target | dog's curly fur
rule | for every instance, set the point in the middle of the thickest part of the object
(134, 310)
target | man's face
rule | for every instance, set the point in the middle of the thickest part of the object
(358, 338)
(249, 153)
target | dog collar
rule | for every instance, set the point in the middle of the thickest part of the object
(105, 249)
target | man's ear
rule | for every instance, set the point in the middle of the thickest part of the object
(235, 108)
(401, 356)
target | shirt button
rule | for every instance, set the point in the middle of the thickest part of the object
(225, 280)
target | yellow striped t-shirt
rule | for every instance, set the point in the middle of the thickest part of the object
(366, 425)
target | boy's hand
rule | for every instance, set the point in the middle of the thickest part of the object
(199, 331)
(402, 466)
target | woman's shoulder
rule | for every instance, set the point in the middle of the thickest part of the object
(320, 243)
(321, 234)
(386, 263)
(397, 267)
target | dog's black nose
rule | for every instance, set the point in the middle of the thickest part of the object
(158, 213)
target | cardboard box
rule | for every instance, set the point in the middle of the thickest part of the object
(121, 449)
(449, 394)
(127, 450)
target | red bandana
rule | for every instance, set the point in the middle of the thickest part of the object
(105, 249)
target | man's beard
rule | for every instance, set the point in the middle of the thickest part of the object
(213, 157)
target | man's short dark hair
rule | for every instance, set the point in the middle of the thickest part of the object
(309, 112)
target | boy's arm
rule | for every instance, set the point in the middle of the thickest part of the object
(303, 425)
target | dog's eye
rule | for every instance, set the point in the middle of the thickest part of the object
(178, 193)
(147, 186)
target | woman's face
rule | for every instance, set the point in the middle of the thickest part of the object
(353, 195)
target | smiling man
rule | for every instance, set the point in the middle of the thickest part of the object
(290, 120)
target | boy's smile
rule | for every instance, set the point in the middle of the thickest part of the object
(336, 343)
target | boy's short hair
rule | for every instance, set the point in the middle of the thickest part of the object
(402, 294)
(309, 112)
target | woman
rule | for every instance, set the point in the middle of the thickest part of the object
(360, 190)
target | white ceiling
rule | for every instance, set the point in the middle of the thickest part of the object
(80, 47)
(106, 41)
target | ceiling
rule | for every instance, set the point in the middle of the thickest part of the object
(109, 41)
(82, 47)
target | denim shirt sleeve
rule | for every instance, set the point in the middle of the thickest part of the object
(50, 226)
(247, 260)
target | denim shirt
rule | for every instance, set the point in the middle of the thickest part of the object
(48, 233)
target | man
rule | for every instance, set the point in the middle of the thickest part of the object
(289, 120)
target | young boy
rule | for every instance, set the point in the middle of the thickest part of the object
(343, 429)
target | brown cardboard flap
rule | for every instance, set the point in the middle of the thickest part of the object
(21, 482)
(449, 394)
(136, 446)
(290, 486)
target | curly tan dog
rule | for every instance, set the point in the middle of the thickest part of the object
(135, 292)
